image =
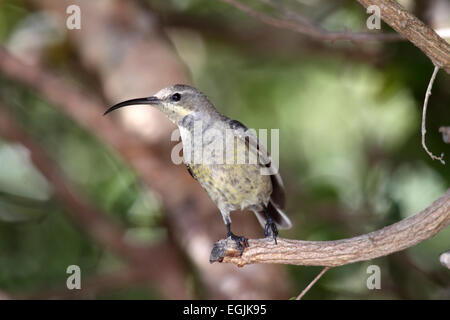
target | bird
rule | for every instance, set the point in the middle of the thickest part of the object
(231, 183)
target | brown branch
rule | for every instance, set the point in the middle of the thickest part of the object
(390, 239)
(409, 26)
(424, 114)
(96, 224)
(300, 296)
(304, 26)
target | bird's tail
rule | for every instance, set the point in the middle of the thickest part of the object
(278, 216)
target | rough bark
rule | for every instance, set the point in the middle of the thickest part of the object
(390, 239)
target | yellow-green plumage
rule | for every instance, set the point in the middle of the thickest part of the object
(240, 186)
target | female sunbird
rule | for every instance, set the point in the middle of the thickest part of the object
(231, 184)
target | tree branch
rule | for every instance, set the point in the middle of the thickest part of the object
(304, 26)
(409, 26)
(393, 238)
(300, 296)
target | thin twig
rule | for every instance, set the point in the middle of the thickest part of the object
(312, 283)
(424, 113)
(308, 28)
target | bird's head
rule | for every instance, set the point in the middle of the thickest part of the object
(176, 102)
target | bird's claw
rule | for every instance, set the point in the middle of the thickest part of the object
(271, 229)
(241, 242)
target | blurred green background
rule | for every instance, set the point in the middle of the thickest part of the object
(350, 151)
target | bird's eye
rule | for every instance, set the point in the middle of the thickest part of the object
(175, 97)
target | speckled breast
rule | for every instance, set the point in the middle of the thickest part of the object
(236, 186)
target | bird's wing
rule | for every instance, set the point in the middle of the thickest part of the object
(251, 141)
(264, 160)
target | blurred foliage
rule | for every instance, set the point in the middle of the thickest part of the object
(350, 156)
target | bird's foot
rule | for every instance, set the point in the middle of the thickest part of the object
(271, 228)
(241, 242)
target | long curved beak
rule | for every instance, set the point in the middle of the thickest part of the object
(148, 100)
